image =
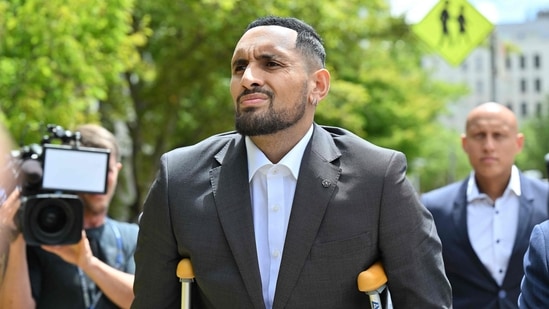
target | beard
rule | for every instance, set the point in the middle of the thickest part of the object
(252, 122)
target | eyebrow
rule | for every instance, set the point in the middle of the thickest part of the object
(266, 56)
(239, 62)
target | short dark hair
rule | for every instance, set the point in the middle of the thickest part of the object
(93, 135)
(308, 41)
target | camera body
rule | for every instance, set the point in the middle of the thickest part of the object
(50, 177)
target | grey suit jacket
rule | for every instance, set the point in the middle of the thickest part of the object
(352, 206)
(472, 284)
(535, 284)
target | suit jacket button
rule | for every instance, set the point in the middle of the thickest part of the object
(326, 183)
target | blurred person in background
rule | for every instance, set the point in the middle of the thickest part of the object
(535, 284)
(97, 272)
(485, 221)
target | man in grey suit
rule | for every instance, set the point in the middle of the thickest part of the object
(535, 283)
(285, 213)
(485, 221)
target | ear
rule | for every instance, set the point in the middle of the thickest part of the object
(520, 141)
(321, 79)
(464, 142)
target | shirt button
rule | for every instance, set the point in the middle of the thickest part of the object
(502, 294)
(276, 208)
(276, 253)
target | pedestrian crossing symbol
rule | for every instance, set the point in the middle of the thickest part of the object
(453, 28)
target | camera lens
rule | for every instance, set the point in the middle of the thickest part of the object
(51, 219)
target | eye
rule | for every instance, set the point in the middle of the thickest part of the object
(272, 64)
(240, 65)
(239, 68)
(498, 136)
(478, 136)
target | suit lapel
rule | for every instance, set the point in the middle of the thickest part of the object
(459, 215)
(526, 209)
(232, 196)
(462, 234)
(317, 181)
(527, 219)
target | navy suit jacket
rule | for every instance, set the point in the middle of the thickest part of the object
(352, 207)
(535, 284)
(472, 284)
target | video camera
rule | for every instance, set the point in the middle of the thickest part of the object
(50, 175)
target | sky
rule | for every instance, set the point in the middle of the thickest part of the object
(496, 11)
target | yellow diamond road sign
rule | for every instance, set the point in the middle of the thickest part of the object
(453, 28)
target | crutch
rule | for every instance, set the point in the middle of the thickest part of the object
(373, 281)
(186, 276)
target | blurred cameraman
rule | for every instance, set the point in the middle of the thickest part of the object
(97, 272)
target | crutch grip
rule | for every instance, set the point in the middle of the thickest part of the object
(186, 276)
(372, 279)
(185, 269)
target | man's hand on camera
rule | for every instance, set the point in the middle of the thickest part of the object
(79, 254)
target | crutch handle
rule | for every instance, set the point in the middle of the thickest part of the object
(185, 269)
(372, 279)
(186, 276)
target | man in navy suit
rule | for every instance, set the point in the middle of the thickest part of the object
(485, 221)
(535, 284)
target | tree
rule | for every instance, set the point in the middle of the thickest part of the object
(58, 59)
(181, 96)
(174, 57)
(536, 145)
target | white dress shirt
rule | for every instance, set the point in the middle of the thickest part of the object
(492, 225)
(272, 189)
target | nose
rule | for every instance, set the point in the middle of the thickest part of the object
(250, 78)
(489, 143)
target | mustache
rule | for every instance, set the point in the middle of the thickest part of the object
(254, 90)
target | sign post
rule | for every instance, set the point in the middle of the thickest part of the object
(453, 28)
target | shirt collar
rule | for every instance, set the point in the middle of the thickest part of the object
(292, 160)
(513, 185)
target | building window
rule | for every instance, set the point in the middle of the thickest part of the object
(480, 87)
(539, 110)
(478, 64)
(537, 61)
(522, 62)
(507, 62)
(524, 109)
(510, 106)
(537, 85)
(523, 85)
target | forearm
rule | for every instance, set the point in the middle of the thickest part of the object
(115, 284)
(4, 250)
(15, 289)
(8, 230)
